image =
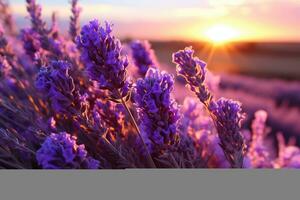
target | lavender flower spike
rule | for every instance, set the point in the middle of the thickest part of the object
(7, 17)
(258, 152)
(157, 111)
(143, 56)
(39, 26)
(225, 113)
(74, 19)
(227, 117)
(58, 86)
(101, 53)
(60, 151)
(35, 12)
(4, 67)
(193, 70)
(31, 42)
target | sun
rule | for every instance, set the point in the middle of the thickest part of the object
(220, 34)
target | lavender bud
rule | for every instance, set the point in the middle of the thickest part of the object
(58, 85)
(258, 153)
(7, 17)
(101, 53)
(35, 12)
(157, 111)
(5, 67)
(288, 155)
(112, 116)
(31, 42)
(291, 157)
(74, 20)
(194, 115)
(60, 151)
(193, 70)
(39, 26)
(227, 114)
(199, 126)
(143, 56)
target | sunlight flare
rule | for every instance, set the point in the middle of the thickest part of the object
(220, 34)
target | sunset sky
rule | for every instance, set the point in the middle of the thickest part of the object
(258, 20)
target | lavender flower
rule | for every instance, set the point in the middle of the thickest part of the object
(4, 47)
(197, 124)
(194, 116)
(6, 16)
(258, 152)
(35, 12)
(227, 116)
(143, 56)
(48, 43)
(60, 151)
(193, 70)
(112, 116)
(205, 132)
(31, 42)
(7, 57)
(4, 67)
(58, 86)
(212, 81)
(157, 111)
(74, 19)
(101, 53)
(290, 157)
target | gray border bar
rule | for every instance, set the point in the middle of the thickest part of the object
(150, 184)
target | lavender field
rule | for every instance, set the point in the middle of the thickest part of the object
(86, 99)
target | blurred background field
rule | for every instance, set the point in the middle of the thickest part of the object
(260, 75)
(266, 60)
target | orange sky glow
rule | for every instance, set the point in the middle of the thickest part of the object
(207, 20)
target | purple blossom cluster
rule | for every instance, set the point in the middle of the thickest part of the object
(101, 53)
(157, 111)
(74, 20)
(67, 102)
(225, 113)
(39, 26)
(60, 151)
(143, 56)
(193, 70)
(31, 42)
(57, 85)
(258, 152)
(227, 117)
